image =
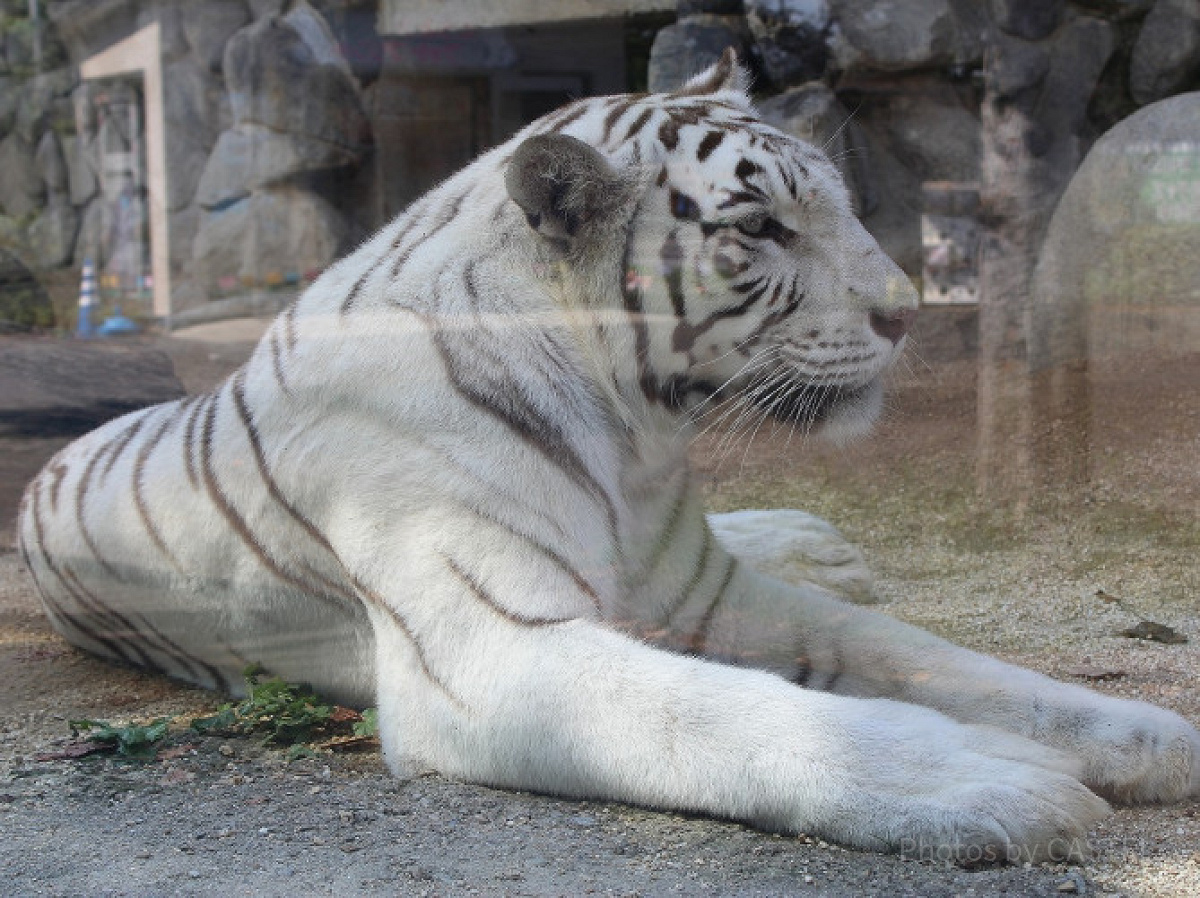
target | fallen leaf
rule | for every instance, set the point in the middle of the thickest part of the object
(1155, 632)
(343, 715)
(1089, 672)
(75, 750)
(178, 751)
(351, 743)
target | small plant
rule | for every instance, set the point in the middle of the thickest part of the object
(287, 714)
(131, 741)
(369, 725)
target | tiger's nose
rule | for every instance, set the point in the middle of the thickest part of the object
(893, 324)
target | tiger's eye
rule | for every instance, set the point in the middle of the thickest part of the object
(753, 225)
(684, 207)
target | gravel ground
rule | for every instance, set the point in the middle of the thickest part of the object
(228, 817)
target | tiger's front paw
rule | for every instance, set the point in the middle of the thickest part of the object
(939, 790)
(1135, 753)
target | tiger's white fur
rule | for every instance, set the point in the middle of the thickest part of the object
(452, 481)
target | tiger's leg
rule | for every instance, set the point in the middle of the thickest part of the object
(482, 679)
(1131, 750)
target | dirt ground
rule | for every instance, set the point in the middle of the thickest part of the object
(220, 816)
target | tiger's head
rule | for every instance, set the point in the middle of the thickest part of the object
(731, 247)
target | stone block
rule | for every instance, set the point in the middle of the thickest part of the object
(1166, 55)
(691, 45)
(792, 37)
(286, 74)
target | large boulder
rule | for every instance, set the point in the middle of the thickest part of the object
(21, 186)
(791, 36)
(906, 34)
(24, 303)
(82, 183)
(933, 135)
(273, 232)
(93, 227)
(44, 102)
(193, 101)
(52, 234)
(51, 164)
(1118, 271)
(691, 45)
(249, 156)
(172, 41)
(1032, 20)
(1166, 56)
(10, 100)
(285, 73)
(1116, 9)
(68, 387)
(812, 112)
(208, 27)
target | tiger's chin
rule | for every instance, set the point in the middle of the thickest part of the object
(839, 414)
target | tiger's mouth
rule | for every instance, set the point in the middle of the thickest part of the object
(808, 403)
(834, 411)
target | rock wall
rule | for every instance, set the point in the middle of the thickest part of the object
(264, 126)
(270, 143)
(894, 88)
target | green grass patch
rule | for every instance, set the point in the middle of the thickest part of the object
(137, 742)
(285, 714)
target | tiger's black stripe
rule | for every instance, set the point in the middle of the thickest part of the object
(132, 632)
(615, 115)
(710, 142)
(638, 124)
(671, 256)
(685, 335)
(355, 288)
(676, 604)
(81, 493)
(277, 363)
(58, 472)
(237, 389)
(139, 500)
(103, 611)
(674, 516)
(189, 439)
(121, 442)
(769, 321)
(522, 418)
(565, 116)
(289, 325)
(237, 522)
(699, 640)
(631, 295)
(477, 590)
(406, 629)
(40, 536)
(554, 557)
(444, 219)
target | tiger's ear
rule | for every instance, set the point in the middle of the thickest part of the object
(562, 185)
(724, 75)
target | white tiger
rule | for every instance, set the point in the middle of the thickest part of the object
(452, 481)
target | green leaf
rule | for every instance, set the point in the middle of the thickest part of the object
(369, 725)
(132, 740)
(225, 719)
(296, 752)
